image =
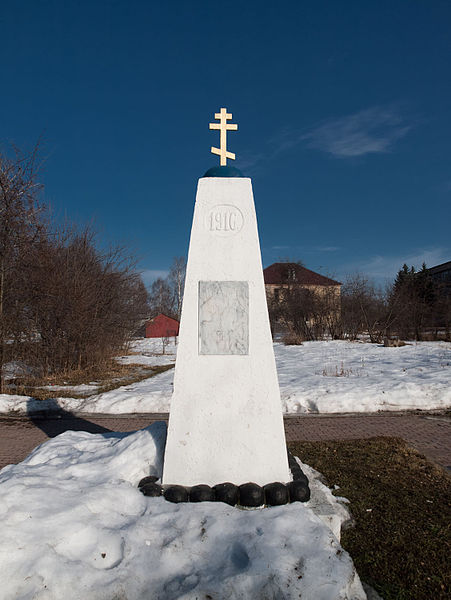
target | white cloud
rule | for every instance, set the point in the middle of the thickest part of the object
(372, 130)
(368, 131)
(384, 268)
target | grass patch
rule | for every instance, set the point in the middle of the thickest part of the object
(106, 379)
(401, 544)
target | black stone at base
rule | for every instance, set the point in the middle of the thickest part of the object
(298, 491)
(296, 470)
(276, 494)
(148, 479)
(151, 489)
(251, 495)
(228, 493)
(201, 493)
(176, 493)
(298, 475)
(247, 495)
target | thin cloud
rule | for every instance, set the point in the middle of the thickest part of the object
(383, 268)
(150, 275)
(307, 249)
(327, 248)
(373, 130)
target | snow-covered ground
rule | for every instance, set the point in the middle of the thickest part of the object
(74, 525)
(338, 376)
(317, 377)
(151, 352)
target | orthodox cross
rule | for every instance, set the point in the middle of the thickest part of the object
(223, 126)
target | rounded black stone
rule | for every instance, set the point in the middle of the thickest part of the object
(251, 495)
(291, 459)
(298, 474)
(201, 493)
(148, 479)
(227, 492)
(176, 493)
(276, 493)
(151, 489)
(223, 171)
(298, 491)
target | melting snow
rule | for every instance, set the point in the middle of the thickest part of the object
(74, 525)
(324, 377)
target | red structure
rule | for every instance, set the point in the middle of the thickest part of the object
(162, 326)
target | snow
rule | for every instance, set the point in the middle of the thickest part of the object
(339, 376)
(149, 352)
(74, 525)
(317, 377)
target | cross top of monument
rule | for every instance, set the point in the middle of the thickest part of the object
(223, 126)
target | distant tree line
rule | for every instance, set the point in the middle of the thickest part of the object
(65, 305)
(414, 307)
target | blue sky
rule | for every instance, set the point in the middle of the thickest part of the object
(343, 111)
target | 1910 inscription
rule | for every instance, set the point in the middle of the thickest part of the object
(224, 219)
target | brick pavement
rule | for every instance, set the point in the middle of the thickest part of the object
(429, 434)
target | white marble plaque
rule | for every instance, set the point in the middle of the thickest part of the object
(223, 317)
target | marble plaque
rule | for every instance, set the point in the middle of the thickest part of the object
(223, 317)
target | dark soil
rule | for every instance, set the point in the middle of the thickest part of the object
(401, 542)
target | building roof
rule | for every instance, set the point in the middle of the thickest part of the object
(439, 268)
(284, 273)
(159, 317)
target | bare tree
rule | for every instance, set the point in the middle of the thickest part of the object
(86, 304)
(176, 279)
(161, 298)
(20, 226)
(166, 295)
(365, 309)
(303, 311)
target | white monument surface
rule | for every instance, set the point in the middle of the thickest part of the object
(225, 422)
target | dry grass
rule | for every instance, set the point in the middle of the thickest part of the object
(105, 378)
(401, 542)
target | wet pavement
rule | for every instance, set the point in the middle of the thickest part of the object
(429, 433)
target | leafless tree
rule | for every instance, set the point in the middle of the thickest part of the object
(366, 309)
(86, 304)
(176, 279)
(161, 298)
(166, 295)
(304, 312)
(21, 225)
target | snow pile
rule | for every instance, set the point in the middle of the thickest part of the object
(317, 377)
(74, 526)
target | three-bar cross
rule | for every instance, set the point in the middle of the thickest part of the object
(223, 126)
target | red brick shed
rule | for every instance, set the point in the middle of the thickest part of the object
(162, 326)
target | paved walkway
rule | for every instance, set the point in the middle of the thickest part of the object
(429, 434)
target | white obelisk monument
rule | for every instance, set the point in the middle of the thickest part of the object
(225, 422)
